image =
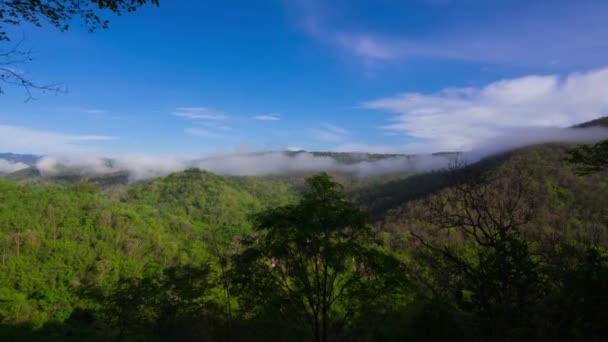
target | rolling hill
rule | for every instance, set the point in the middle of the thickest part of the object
(67, 241)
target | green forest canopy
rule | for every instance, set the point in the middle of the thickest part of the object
(195, 255)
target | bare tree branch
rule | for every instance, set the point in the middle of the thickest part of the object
(11, 74)
(57, 13)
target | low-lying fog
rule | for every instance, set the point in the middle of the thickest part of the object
(274, 163)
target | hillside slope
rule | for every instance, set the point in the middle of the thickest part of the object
(566, 203)
(58, 242)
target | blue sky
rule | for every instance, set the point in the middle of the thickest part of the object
(198, 77)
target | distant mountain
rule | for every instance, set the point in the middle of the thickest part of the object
(348, 167)
(24, 175)
(348, 157)
(32, 175)
(342, 157)
(599, 122)
(29, 159)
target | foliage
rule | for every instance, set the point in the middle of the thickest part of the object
(61, 13)
(57, 242)
(318, 256)
(511, 248)
(493, 274)
(590, 158)
(170, 303)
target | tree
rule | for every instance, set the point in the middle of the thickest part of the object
(590, 158)
(318, 258)
(163, 304)
(575, 308)
(58, 13)
(475, 233)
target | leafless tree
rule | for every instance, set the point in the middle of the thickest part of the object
(474, 230)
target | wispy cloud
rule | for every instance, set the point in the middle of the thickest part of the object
(329, 132)
(198, 132)
(335, 129)
(466, 118)
(26, 140)
(198, 113)
(268, 117)
(7, 166)
(548, 35)
(93, 111)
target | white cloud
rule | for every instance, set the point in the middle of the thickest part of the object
(268, 117)
(274, 163)
(465, 118)
(7, 166)
(329, 132)
(547, 35)
(138, 166)
(198, 113)
(247, 162)
(94, 111)
(336, 129)
(25, 140)
(368, 46)
(198, 132)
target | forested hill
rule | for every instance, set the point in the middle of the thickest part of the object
(75, 255)
(29, 159)
(546, 164)
(566, 203)
(599, 122)
(57, 241)
(202, 197)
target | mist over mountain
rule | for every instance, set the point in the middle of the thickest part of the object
(10, 162)
(356, 164)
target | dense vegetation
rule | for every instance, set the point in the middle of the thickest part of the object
(511, 248)
(57, 242)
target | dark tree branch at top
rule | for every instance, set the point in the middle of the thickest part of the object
(61, 13)
(58, 13)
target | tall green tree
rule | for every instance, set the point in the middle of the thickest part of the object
(319, 257)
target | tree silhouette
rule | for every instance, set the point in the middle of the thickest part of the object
(318, 258)
(166, 304)
(475, 232)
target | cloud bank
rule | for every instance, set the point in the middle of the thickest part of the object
(139, 167)
(461, 119)
(278, 163)
(7, 166)
(255, 164)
